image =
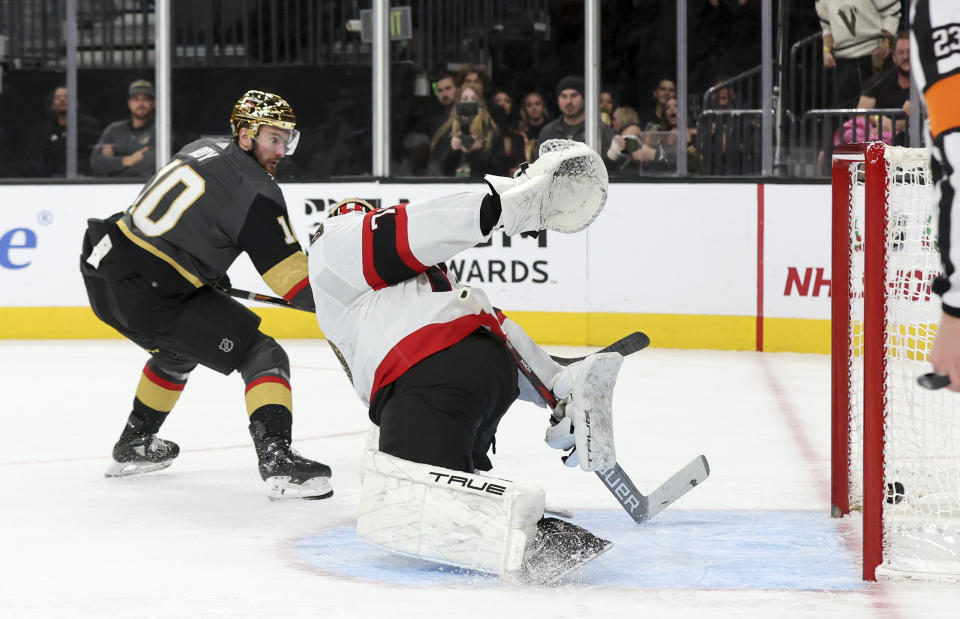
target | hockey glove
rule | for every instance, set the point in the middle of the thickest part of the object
(586, 412)
(560, 436)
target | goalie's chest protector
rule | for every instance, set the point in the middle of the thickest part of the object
(377, 299)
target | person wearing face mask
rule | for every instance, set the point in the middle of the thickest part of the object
(508, 121)
(468, 144)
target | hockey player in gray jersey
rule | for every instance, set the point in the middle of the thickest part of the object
(437, 377)
(153, 271)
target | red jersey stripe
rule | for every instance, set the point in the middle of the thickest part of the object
(303, 283)
(267, 379)
(161, 382)
(425, 341)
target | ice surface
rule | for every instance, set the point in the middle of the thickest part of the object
(200, 539)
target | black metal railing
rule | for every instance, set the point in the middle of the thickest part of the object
(729, 142)
(819, 130)
(34, 32)
(809, 83)
(741, 92)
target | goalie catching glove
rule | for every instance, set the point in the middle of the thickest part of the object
(583, 419)
(563, 190)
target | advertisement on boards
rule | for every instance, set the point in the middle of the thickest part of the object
(796, 252)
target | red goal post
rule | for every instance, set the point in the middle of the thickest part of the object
(895, 447)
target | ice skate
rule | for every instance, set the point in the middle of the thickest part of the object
(142, 454)
(288, 474)
(559, 548)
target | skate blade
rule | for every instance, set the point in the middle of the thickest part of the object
(607, 545)
(126, 469)
(282, 489)
(554, 577)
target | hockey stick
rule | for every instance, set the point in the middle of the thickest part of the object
(630, 344)
(641, 508)
(262, 298)
(933, 381)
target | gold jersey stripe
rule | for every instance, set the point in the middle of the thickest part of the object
(187, 275)
(287, 273)
(264, 393)
(155, 396)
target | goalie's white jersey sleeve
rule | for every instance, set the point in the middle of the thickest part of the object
(382, 298)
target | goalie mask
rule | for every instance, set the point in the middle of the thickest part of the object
(350, 205)
(256, 108)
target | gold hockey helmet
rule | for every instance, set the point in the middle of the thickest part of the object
(256, 108)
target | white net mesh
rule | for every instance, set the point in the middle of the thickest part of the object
(921, 517)
(855, 334)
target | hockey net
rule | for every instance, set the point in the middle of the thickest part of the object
(896, 446)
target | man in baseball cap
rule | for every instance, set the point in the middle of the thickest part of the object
(141, 87)
(126, 147)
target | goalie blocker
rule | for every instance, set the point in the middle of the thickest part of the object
(468, 520)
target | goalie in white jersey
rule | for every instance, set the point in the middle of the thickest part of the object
(437, 377)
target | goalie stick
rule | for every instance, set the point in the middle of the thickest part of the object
(640, 507)
(630, 344)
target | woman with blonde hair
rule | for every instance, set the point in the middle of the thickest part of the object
(623, 117)
(468, 145)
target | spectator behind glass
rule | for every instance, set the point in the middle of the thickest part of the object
(468, 146)
(887, 89)
(445, 89)
(664, 90)
(722, 98)
(534, 115)
(891, 88)
(856, 41)
(128, 147)
(630, 154)
(571, 125)
(514, 142)
(411, 152)
(474, 76)
(607, 105)
(48, 157)
(623, 117)
(670, 127)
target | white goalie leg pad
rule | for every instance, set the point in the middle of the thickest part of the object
(447, 516)
(586, 389)
(537, 358)
(563, 190)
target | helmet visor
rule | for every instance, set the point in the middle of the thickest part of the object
(292, 140)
